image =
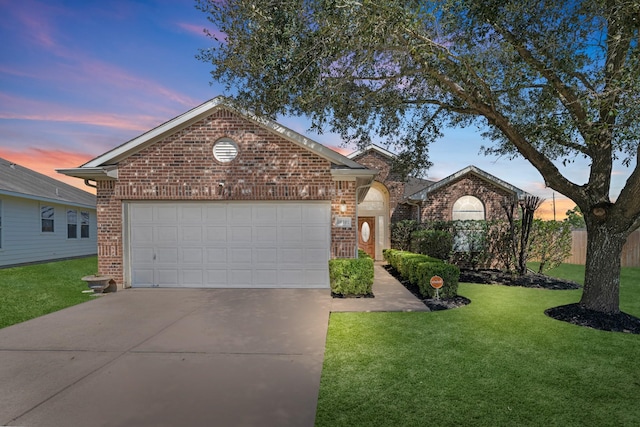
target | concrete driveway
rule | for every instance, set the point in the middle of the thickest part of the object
(156, 357)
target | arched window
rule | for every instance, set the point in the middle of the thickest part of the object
(470, 236)
(468, 208)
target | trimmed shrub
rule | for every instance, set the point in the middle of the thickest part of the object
(435, 243)
(450, 275)
(363, 254)
(351, 276)
(401, 234)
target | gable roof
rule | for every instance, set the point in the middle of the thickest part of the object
(18, 181)
(423, 194)
(371, 147)
(105, 166)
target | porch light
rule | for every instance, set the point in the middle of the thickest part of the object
(343, 206)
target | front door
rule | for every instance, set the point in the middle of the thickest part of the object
(366, 235)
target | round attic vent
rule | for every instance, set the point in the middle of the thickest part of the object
(225, 150)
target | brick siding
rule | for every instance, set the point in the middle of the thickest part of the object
(182, 167)
(439, 204)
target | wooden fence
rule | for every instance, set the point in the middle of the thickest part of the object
(630, 252)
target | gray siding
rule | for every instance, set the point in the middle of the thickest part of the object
(22, 240)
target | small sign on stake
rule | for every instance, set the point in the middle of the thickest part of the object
(436, 283)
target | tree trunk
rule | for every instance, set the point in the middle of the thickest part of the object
(602, 270)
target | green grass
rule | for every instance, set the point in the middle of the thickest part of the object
(32, 291)
(496, 362)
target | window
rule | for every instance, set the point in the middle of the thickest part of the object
(468, 211)
(225, 150)
(468, 207)
(46, 217)
(72, 224)
(84, 225)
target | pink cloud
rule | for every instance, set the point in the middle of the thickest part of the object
(26, 109)
(46, 161)
(192, 28)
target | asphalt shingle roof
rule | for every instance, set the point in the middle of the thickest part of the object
(18, 179)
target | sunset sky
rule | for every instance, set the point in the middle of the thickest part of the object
(78, 78)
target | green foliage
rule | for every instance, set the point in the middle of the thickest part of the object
(351, 276)
(401, 234)
(471, 248)
(498, 361)
(435, 243)
(549, 81)
(419, 269)
(550, 243)
(35, 290)
(362, 254)
(575, 218)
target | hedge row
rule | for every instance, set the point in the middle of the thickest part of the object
(419, 269)
(351, 276)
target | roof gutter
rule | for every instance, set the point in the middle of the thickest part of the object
(102, 173)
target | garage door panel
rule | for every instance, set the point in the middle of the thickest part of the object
(266, 234)
(142, 234)
(241, 234)
(266, 277)
(229, 244)
(241, 277)
(267, 256)
(215, 214)
(291, 234)
(217, 277)
(167, 277)
(315, 234)
(216, 255)
(191, 234)
(191, 213)
(167, 255)
(265, 214)
(216, 234)
(240, 214)
(143, 277)
(141, 213)
(166, 213)
(314, 277)
(166, 234)
(193, 278)
(192, 256)
(240, 256)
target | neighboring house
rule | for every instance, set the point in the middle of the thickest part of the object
(218, 197)
(469, 193)
(43, 219)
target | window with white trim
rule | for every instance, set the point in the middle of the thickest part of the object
(72, 224)
(84, 225)
(468, 212)
(47, 214)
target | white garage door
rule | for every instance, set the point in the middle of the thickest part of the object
(229, 244)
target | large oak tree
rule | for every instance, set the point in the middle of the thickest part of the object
(550, 81)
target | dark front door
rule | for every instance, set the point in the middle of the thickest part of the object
(366, 235)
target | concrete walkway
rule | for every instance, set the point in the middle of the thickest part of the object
(174, 357)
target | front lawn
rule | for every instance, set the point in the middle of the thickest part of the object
(34, 290)
(496, 362)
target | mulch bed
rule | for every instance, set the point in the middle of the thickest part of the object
(571, 313)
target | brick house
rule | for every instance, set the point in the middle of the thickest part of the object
(218, 197)
(470, 193)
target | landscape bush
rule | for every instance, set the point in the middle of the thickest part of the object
(351, 276)
(435, 243)
(418, 270)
